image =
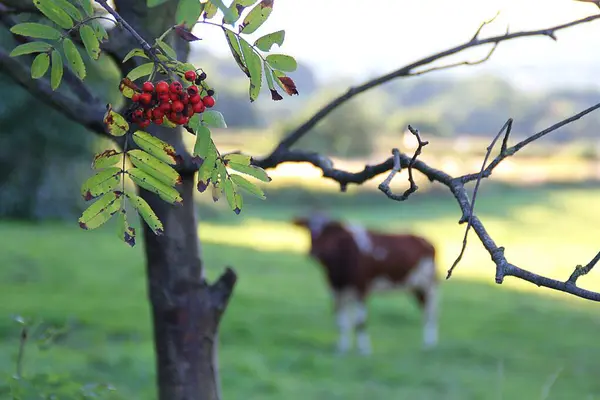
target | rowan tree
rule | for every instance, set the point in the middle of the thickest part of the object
(164, 98)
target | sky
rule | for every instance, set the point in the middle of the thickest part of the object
(358, 39)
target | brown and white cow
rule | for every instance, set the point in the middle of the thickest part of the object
(357, 262)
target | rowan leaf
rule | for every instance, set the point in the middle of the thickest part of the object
(208, 169)
(236, 8)
(99, 30)
(155, 167)
(275, 96)
(57, 69)
(210, 10)
(214, 119)
(203, 142)
(153, 145)
(267, 41)
(69, 9)
(247, 186)
(106, 159)
(115, 122)
(282, 62)
(238, 158)
(29, 48)
(74, 58)
(90, 41)
(40, 65)
(137, 52)
(236, 51)
(257, 16)
(87, 7)
(188, 12)
(35, 30)
(254, 64)
(146, 212)
(285, 82)
(224, 9)
(125, 232)
(167, 49)
(252, 170)
(150, 183)
(230, 193)
(101, 210)
(141, 71)
(54, 13)
(100, 183)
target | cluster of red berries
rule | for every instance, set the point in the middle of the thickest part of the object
(171, 101)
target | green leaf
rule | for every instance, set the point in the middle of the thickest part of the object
(267, 41)
(144, 209)
(154, 3)
(230, 195)
(54, 13)
(101, 210)
(252, 170)
(31, 47)
(224, 9)
(238, 158)
(135, 53)
(126, 232)
(257, 16)
(274, 93)
(236, 51)
(155, 167)
(236, 9)
(153, 145)
(87, 7)
(167, 49)
(115, 122)
(40, 65)
(203, 142)
(101, 183)
(141, 71)
(69, 9)
(247, 186)
(99, 30)
(150, 183)
(56, 73)
(214, 119)
(282, 62)
(74, 58)
(207, 169)
(35, 30)
(106, 159)
(254, 64)
(188, 12)
(210, 10)
(90, 41)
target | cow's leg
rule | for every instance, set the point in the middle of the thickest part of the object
(363, 341)
(428, 300)
(343, 301)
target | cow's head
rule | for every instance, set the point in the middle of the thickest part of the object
(320, 225)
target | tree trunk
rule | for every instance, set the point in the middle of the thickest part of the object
(186, 309)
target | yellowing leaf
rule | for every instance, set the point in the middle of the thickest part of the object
(126, 232)
(101, 183)
(155, 167)
(115, 122)
(148, 182)
(106, 159)
(153, 145)
(74, 58)
(101, 210)
(257, 16)
(144, 209)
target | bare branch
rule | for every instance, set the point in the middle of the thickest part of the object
(580, 271)
(407, 70)
(483, 24)
(507, 127)
(385, 185)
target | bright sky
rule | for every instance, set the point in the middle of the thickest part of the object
(352, 37)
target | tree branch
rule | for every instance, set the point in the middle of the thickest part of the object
(222, 289)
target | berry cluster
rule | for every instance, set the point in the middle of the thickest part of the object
(163, 100)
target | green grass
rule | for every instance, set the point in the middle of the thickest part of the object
(278, 336)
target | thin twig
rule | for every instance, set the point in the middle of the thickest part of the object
(483, 24)
(580, 271)
(457, 64)
(507, 126)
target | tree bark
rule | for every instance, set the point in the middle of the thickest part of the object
(186, 310)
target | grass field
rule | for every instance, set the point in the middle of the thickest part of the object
(514, 341)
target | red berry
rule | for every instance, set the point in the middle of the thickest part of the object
(162, 87)
(139, 113)
(148, 114)
(188, 111)
(177, 106)
(173, 96)
(183, 120)
(198, 107)
(195, 99)
(144, 123)
(185, 98)
(164, 98)
(148, 87)
(208, 101)
(158, 121)
(176, 87)
(173, 117)
(165, 107)
(135, 98)
(192, 90)
(157, 113)
(145, 98)
(190, 76)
